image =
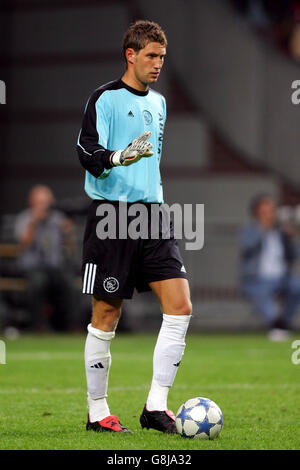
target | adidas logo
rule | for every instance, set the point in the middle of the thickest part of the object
(177, 364)
(130, 114)
(97, 366)
(183, 269)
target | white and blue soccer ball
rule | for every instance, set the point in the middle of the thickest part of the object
(199, 418)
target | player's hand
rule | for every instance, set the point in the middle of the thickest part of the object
(137, 149)
(39, 213)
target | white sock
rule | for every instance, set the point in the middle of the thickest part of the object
(98, 409)
(157, 398)
(168, 353)
(97, 363)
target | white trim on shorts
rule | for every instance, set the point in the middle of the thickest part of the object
(89, 278)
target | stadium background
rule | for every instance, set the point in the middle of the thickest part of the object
(232, 130)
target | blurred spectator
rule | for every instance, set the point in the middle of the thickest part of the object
(267, 254)
(294, 42)
(278, 20)
(46, 239)
(254, 11)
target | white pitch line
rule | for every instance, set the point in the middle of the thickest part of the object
(47, 356)
(61, 356)
(42, 356)
(129, 388)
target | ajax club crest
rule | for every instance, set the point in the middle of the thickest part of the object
(111, 284)
(147, 117)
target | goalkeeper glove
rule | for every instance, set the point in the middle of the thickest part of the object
(138, 148)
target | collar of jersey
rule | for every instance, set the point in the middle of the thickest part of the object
(133, 90)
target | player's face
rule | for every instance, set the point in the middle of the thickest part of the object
(148, 63)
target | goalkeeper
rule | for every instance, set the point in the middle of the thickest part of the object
(120, 147)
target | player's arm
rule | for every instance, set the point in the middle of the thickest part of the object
(93, 136)
(93, 155)
(251, 239)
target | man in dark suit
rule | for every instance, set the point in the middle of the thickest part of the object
(267, 255)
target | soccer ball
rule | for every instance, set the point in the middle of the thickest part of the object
(199, 418)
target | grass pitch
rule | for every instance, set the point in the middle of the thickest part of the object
(255, 383)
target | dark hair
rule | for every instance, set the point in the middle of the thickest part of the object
(140, 33)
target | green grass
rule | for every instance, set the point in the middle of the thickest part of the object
(43, 395)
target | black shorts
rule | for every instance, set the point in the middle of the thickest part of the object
(114, 266)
